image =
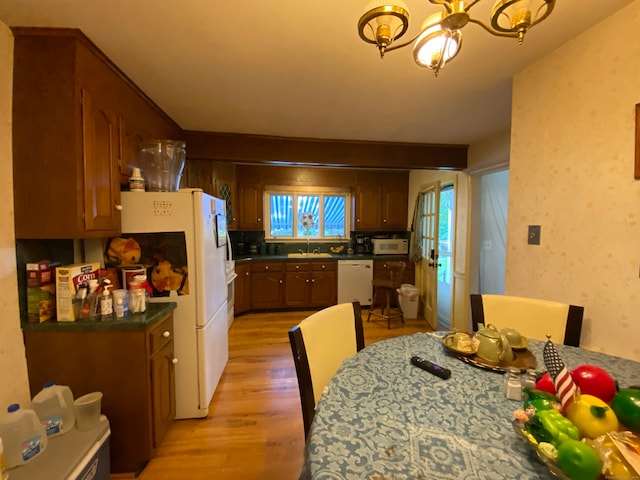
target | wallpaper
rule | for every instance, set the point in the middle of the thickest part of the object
(571, 172)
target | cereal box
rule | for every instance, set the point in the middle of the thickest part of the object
(41, 291)
(68, 277)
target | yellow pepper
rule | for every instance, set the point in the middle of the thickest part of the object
(592, 416)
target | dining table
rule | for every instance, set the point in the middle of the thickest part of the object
(382, 418)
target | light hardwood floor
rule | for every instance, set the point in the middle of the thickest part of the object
(254, 428)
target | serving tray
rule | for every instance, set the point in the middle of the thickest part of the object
(522, 359)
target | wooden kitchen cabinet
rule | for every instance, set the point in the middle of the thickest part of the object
(380, 202)
(250, 206)
(324, 284)
(133, 368)
(242, 287)
(394, 205)
(78, 122)
(367, 207)
(226, 190)
(310, 284)
(267, 285)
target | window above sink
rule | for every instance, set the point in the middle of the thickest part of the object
(306, 213)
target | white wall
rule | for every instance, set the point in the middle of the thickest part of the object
(14, 386)
(571, 171)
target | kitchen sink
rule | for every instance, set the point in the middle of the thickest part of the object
(309, 255)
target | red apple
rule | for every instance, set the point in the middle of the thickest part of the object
(546, 384)
(589, 378)
(594, 381)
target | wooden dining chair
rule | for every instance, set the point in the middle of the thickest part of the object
(532, 317)
(386, 303)
(319, 344)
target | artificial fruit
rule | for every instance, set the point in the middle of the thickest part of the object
(592, 416)
(626, 405)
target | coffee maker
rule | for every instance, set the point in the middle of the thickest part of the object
(359, 244)
(367, 245)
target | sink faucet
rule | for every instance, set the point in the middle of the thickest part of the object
(316, 251)
(300, 251)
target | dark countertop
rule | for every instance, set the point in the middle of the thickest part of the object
(138, 321)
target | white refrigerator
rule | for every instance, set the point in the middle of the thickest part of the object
(193, 276)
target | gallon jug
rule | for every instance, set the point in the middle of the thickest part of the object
(23, 435)
(54, 407)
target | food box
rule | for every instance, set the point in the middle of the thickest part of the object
(68, 277)
(41, 291)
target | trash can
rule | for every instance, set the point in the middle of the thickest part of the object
(408, 295)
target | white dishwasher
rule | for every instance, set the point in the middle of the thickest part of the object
(354, 281)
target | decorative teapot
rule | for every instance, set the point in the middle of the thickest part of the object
(493, 345)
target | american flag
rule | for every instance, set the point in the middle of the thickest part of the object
(565, 386)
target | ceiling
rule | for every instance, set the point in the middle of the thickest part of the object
(297, 68)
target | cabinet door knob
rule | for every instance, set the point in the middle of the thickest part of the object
(266, 267)
(280, 281)
(118, 207)
(174, 360)
(166, 334)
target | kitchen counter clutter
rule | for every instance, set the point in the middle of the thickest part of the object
(131, 321)
(131, 361)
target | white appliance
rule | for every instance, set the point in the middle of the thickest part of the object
(200, 320)
(390, 246)
(354, 281)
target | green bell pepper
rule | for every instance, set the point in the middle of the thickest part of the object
(551, 426)
(539, 399)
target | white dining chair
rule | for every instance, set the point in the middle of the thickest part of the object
(532, 317)
(319, 344)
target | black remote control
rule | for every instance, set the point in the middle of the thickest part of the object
(431, 367)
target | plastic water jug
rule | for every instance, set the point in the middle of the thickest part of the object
(22, 434)
(55, 409)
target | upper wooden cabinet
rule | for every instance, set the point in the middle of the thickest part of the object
(78, 122)
(250, 205)
(380, 201)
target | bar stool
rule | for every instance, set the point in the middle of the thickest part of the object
(385, 294)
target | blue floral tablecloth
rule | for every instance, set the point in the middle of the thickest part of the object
(381, 418)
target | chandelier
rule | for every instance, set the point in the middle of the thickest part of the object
(440, 37)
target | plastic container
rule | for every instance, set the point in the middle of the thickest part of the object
(136, 182)
(120, 302)
(138, 294)
(23, 436)
(54, 407)
(106, 303)
(162, 162)
(408, 295)
(88, 410)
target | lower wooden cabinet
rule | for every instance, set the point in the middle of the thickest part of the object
(134, 370)
(310, 284)
(267, 285)
(242, 285)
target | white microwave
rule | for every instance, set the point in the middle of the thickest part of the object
(390, 246)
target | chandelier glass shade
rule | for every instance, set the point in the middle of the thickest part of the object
(440, 37)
